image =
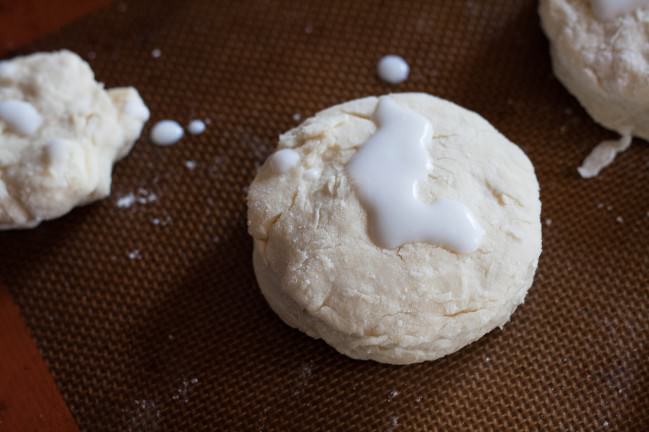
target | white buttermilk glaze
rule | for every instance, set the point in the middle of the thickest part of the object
(20, 116)
(282, 161)
(385, 172)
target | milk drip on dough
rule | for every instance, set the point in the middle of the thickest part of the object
(599, 53)
(397, 228)
(60, 134)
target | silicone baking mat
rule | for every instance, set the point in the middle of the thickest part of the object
(150, 318)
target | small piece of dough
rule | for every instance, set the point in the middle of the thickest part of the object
(65, 159)
(321, 272)
(604, 63)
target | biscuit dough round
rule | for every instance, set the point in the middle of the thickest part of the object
(322, 274)
(67, 160)
(603, 63)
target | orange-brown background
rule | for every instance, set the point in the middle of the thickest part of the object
(29, 399)
(22, 20)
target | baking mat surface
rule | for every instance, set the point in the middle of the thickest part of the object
(150, 317)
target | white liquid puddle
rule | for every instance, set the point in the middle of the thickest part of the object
(196, 127)
(385, 172)
(282, 161)
(608, 9)
(166, 132)
(393, 69)
(603, 155)
(20, 116)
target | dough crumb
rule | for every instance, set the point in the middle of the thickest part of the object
(134, 255)
(191, 165)
(603, 155)
(126, 201)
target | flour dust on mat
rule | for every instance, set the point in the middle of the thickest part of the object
(141, 196)
(335, 257)
(284, 160)
(61, 133)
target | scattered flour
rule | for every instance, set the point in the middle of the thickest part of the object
(141, 196)
(161, 221)
(182, 393)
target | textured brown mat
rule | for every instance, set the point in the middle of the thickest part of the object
(180, 338)
(29, 399)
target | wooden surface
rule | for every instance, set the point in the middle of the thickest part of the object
(23, 20)
(29, 398)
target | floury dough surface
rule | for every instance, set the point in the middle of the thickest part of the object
(322, 274)
(66, 161)
(605, 64)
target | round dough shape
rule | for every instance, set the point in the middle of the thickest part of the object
(68, 159)
(321, 273)
(603, 63)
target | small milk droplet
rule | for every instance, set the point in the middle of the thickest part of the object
(166, 132)
(20, 116)
(196, 127)
(284, 160)
(393, 69)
